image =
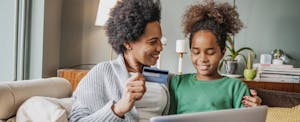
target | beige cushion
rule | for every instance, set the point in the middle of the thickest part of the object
(48, 110)
(277, 114)
(14, 93)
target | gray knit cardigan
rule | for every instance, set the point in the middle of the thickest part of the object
(98, 91)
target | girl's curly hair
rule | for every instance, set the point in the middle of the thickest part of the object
(220, 18)
(128, 20)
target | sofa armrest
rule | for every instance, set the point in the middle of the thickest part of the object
(14, 93)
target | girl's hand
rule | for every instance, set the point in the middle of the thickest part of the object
(252, 101)
(134, 90)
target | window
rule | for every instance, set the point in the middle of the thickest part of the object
(103, 11)
(8, 40)
(13, 20)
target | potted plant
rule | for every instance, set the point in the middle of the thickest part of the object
(249, 72)
(231, 60)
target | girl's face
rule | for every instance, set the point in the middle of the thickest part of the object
(147, 48)
(206, 54)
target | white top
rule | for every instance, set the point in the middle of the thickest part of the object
(153, 103)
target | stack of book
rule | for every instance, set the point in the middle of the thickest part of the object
(277, 73)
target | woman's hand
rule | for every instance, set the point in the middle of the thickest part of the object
(134, 90)
(252, 101)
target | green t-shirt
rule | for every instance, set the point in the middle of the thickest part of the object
(191, 95)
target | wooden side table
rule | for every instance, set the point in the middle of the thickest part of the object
(279, 86)
(72, 75)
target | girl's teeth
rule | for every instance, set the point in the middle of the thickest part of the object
(203, 67)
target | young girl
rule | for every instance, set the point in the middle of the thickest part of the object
(207, 25)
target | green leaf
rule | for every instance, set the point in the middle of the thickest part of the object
(246, 48)
(228, 47)
(228, 56)
(220, 65)
(249, 61)
(290, 57)
(229, 39)
(243, 58)
(231, 51)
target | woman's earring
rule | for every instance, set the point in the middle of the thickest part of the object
(128, 47)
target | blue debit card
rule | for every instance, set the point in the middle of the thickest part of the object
(155, 75)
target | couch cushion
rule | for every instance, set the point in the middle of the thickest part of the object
(14, 93)
(274, 98)
(48, 110)
(276, 114)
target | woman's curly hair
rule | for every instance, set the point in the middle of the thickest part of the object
(128, 20)
(220, 18)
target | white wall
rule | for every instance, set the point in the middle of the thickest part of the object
(82, 42)
(70, 45)
(270, 24)
(52, 37)
(95, 47)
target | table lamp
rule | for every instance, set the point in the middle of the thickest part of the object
(180, 50)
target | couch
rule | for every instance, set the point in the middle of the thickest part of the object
(283, 106)
(18, 98)
(14, 94)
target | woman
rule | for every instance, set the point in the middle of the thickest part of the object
(116, 90)
(110, 92)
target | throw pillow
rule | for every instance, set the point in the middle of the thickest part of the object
(44, 109)
(277, 114)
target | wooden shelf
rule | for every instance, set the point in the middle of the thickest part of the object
(279, 86)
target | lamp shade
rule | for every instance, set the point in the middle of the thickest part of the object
(103, 11)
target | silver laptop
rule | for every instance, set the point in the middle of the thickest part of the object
(253, 114)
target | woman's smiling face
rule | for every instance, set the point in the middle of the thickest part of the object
(147, 48)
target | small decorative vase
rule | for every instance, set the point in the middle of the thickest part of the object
(231, 66)
(249, 74)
